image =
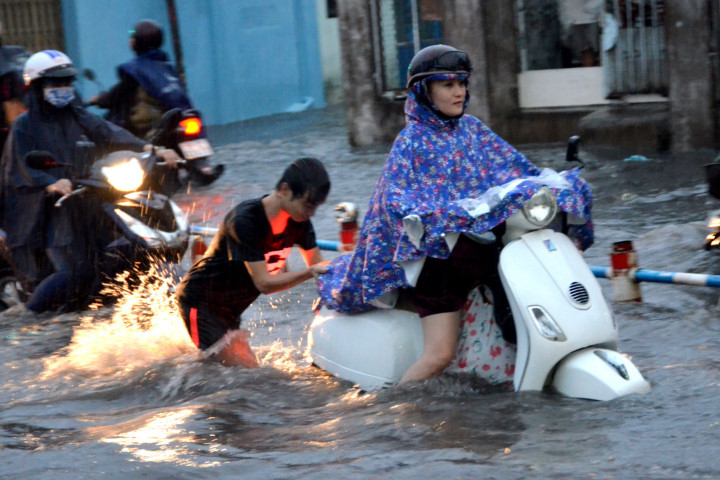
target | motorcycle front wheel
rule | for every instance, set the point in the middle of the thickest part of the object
(11, 293)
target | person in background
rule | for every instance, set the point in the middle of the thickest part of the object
(54, 123)
(247, 257)
(581, 21)
(442, 156)
(12, 87)
(149, 86)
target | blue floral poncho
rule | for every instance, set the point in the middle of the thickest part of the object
(439, 177)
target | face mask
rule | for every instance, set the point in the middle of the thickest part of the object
(59, 96)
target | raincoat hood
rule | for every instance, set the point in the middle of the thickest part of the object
(436, 166)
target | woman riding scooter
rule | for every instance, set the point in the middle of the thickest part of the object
(54, 123)
(442, 156)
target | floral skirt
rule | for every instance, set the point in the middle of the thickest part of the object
(481, 349)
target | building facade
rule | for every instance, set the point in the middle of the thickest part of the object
(241, 58)
(650, 83)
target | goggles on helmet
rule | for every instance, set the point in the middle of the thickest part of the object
(455, 61)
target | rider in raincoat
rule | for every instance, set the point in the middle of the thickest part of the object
(438, 163)
(54, 123)
(150, 86)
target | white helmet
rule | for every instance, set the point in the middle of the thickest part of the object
(48, 64)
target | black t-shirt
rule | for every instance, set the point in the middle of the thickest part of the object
(220, 281)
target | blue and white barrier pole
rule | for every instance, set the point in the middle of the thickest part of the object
(202, 231)
(211, 231)
(328, 245)
(677, 278)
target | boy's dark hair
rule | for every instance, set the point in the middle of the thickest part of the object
(307, 178)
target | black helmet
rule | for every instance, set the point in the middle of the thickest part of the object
(437, 59)
(148, 35)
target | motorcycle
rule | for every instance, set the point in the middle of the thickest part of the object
(712, 176)
(134, 228)
(184, 132)
(566, 337)
(11, 292)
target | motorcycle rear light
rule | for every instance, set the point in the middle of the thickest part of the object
(191, 126)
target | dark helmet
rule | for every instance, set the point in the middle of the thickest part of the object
(148, 35)
(437, 59)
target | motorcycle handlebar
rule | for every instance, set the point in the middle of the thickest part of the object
(65, 197)
(181, 161)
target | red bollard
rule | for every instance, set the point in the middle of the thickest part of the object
(624, 261)
(347, 214)
(198, 249)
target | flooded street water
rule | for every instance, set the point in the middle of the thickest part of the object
(120, 393)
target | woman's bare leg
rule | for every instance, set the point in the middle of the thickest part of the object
(440, 333)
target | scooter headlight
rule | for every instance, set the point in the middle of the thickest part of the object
(541, 208)
(125, 176)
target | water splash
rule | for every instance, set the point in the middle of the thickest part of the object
(144, 327)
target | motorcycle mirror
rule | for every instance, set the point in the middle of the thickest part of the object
(573, 149)
(89, 74)
(40, 160)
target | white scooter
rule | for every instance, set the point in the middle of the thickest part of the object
(566, 335)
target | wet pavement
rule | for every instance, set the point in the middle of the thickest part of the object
(119, 392)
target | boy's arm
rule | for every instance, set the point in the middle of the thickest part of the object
(313, 256)
(268, 284)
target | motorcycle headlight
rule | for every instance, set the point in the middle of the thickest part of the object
(125, 176)
(541, 208)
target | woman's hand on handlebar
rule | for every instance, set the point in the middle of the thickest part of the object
(62, 187)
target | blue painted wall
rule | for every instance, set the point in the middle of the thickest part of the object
(243, 58)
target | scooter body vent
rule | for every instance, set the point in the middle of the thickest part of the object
(579, 294)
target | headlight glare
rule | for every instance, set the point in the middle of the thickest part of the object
(126, 176)
(541, 208)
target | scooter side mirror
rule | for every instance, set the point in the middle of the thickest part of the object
(573, 149)
(41, 160)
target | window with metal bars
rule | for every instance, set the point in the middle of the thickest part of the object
(32, 24)
(402, 28)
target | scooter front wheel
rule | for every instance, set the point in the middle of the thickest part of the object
(598, 374)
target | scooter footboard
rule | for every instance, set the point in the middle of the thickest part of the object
(598, 374)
